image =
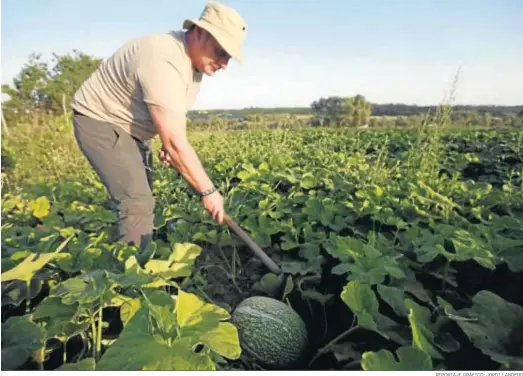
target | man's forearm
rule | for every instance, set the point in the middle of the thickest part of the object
(171, 128)
(186, 161)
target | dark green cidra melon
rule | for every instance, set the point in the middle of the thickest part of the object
(270, 331)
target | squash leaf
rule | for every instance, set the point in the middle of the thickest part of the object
(496, 327)
(86, 364)
(194, 313)
(422, 335)
(223, 340)
(409, 359)
(360, 298)
(32, 263)
(20, 339)
(84, 289)
(40, 207)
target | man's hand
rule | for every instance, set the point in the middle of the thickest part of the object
(213, 203)
(177, 151)
(165, 158)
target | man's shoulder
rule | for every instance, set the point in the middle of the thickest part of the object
(169, 46)
(170, 43)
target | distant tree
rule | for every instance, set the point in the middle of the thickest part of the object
(49, 88)
(341, 111)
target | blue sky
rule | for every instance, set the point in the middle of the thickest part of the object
(296, 51)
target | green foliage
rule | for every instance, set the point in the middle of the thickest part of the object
(407, 230)
(46, 87)
(163, 336)
(343, 112)
(409, 359)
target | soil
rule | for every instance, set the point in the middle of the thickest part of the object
(225, 287)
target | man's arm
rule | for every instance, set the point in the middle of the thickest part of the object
(164, 90)
(171, 128)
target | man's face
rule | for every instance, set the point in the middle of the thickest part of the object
(206, 53)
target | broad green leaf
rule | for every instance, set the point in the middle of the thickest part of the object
(310, 251)
(135, 352)
(128, 310)
(31, 264)
(167, 269)
(135, 348)
(472, 247)
(308, 181)
(138, 348)
(84, 289)
(164, 320)
(117, 300)
(514, 260)
(223, 340)
(146, 253)
(134, 275)
(184, 359)
(413, 286)
(362, 301)
(320, 209)
(428, 246)
(420, 324)
(361, 261)
(495, 326)
(288, 243)
(296, 267)
(269, 284)
(40, 207)
(393, 330)
(289, 286)
(191, 311)
(208, 236)
(63, 329)
(342, 268)
(395, 297)
(16, 291)
(20, 339)
(409, 359)
(159, 297)
(53, 307)
(25, 270)
(86, 364)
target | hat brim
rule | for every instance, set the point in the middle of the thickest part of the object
(220, 37)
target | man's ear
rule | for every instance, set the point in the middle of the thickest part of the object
(202, 35)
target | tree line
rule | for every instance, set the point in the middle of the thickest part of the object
(48, 87)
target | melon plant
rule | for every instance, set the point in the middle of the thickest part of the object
(270, 332)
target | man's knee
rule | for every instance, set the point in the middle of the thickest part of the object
(142, 205)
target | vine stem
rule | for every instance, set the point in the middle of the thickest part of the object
(64, 355)
(99, 335)
(93, 335)
(327, 347)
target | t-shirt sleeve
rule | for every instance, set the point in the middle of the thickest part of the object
(162, 83)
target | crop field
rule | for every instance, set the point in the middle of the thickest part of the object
(400, 249)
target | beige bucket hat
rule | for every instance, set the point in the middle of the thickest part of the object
(225, 24)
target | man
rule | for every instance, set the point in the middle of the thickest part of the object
(144, 90)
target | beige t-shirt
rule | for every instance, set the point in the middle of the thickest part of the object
(153, 69)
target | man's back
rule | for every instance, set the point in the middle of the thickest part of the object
(114, 93)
